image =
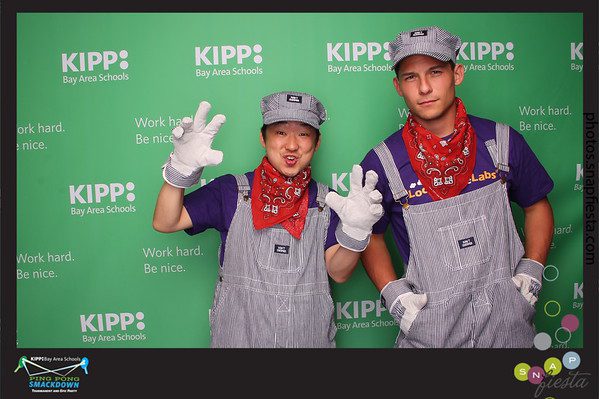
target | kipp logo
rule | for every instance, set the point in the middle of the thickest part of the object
(221, 55)
(89, 61)
(576, 51)
(480, 51)
(97, 193)
(354, 51)
(106, 321)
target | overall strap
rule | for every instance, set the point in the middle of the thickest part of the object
(243, 186)
(321, 193)
(395, 183)
(499, 148)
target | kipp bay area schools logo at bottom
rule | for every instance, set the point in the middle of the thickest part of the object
(362, 314)
(56, 374)
(111, 328)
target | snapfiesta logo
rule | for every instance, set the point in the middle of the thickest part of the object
(556, 375)
(57, 375)
(94, 67)
(227, 61)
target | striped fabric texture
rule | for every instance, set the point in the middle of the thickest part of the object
(293, 106)
(273, 290)
(176, 179)
(464, 251)
(431, 40)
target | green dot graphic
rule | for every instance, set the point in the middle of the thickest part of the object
(552, 366)
(552, 308)
(521, 371)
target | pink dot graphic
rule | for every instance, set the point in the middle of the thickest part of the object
(570, 322)
(536, 375)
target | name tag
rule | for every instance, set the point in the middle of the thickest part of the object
(419, 33)
(466, 242)
(282, 249)
(291, 98)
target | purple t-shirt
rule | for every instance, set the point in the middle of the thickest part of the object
(213, 206)
(527, 180)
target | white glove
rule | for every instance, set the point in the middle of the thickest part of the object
(358, 212)
(412, 304)
(402, 303)
(192, 140)
(529, 287)
(528, 279)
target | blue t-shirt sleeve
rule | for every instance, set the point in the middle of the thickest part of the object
(371, 162)
(530, 182)
(210, 206)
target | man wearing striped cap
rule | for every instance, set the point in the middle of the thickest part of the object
(283, 234)
(447, 179)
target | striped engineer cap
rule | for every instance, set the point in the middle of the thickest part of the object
(293, 106)
(431, 40)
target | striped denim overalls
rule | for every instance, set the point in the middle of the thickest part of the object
(273, 289)
(463, 253)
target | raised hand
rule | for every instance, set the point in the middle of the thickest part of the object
(192, 141)
(359, 211)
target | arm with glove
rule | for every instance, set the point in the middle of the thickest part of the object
(538, 233)
(403, 304)
(357, 212)
(192, 151)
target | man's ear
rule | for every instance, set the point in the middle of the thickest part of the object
(397, 87)
(262, 139)
(458, 74)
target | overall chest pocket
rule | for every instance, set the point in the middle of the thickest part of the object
(465, 244)
(280, 251)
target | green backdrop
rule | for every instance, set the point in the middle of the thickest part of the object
(97, 97)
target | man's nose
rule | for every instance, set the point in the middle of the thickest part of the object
(424, 87)
(291, 142)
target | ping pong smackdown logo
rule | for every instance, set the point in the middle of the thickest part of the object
(94, 66)
(228, 61)
(56, 375)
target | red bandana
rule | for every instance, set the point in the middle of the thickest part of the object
(280, 199)
(443, 166)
